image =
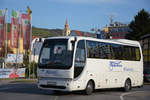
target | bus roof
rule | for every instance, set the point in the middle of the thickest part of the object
(117, 41)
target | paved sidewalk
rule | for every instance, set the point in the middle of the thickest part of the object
(5, 81)
(16, 81)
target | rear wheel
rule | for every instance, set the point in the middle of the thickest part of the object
(89, 88)
(127, 86)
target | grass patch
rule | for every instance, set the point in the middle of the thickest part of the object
(5, 79)
(146, 83)
(24, 80)
(19, 80)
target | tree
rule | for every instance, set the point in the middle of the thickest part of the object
(139, 26)
(2, 51)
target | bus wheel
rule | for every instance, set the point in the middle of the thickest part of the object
(89, 88)
(127, 86)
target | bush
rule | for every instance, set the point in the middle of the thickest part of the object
(33, 69)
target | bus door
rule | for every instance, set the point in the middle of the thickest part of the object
(79, 64)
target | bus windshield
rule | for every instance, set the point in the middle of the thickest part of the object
(54, 54)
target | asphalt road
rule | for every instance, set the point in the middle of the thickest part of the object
(29, 91)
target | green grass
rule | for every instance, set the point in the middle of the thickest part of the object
(24, 80)
(20, 80)
(5, 79)
(146, 83)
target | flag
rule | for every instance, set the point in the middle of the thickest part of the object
(26, 28)
(14, 37)
(2, 28)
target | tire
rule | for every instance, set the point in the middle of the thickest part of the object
(127, 86)
(89, 88)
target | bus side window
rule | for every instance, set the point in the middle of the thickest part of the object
(138, 57)
(79, 58)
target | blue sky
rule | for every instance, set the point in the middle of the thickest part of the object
(81, 14)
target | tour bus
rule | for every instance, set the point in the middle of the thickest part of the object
(82, 63)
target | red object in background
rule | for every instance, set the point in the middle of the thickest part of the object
(14, 32)
(26, 27)
(14, 74)
(146, 75)
(2, 31)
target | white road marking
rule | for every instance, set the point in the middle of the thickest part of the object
(55, 97)
(124, 94)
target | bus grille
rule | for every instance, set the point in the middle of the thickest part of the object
(53, 86)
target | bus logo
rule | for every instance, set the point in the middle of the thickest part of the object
(115, 64)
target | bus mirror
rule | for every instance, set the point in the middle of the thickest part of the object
(69, 47)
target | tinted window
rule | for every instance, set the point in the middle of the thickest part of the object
(103, 50)
(54, 54)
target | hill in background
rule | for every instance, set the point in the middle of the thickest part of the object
(42, 32)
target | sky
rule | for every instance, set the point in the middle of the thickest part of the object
(82, 15)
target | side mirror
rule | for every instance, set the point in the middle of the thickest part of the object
(69, 46)
(71, 43)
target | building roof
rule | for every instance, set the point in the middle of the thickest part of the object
(145, 36)
(81, 33)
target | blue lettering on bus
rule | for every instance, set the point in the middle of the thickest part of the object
(128, 69)
(115, 64)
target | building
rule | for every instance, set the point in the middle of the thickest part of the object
(81, 33)
(115, 30)
(118, 30)
(104, 33)
(145, 43)
(66, 30)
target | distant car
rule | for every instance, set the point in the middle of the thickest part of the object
(147, 75)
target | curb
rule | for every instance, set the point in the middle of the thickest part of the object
(147, 83)
(17, 81)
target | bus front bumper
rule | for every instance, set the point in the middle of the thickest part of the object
(55, 84)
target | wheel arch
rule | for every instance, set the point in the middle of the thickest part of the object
(128, 78)
(92, 82)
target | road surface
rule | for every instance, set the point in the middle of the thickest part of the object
(29, 91)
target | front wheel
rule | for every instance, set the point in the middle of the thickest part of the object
(127, 86)
(89, 88)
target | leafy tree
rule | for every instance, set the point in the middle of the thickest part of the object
(2, 51)
(140, 25)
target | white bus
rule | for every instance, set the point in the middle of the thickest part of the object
(84, 63)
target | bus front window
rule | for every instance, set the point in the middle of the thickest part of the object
(54, 54)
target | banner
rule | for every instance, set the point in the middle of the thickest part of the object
(2, 28)
(14, 29)
(26, 28)
(12, 73)
(11, 58)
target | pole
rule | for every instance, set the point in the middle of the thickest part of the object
(30, 46)
(34, 60)
(18, 51)
(6, 37)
